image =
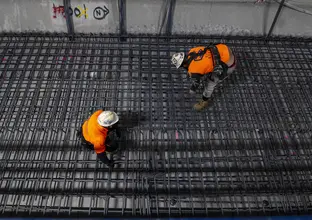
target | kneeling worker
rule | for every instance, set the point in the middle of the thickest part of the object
(98, 134)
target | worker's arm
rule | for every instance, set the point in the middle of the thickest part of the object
(117, 130)
(103, 157)
(101, 154)
(112, 133)
(195, 81)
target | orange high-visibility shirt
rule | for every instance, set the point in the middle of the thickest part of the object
(206, 65)
(95, 133)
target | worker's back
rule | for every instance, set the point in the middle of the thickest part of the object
(94, 133)
(205, 64)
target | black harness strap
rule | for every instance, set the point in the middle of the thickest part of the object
(220, 68)
(195, 56)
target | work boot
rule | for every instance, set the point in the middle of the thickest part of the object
(202, 104)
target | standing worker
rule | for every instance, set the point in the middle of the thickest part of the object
(98, 133)
(209, 65)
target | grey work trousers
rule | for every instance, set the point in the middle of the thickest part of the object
(212, 81)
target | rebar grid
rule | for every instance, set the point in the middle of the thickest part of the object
(248, 154)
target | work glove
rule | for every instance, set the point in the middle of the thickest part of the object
(114, 131)
(218, 70)
(194, 86)
(79, 132)
(192, 92)
(111, 164)
(103, 158)
(118, 133)
(112, 147)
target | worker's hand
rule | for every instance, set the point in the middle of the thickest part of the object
(193, 88)
(114, 133)
(111, 164)
(118, 132)
(79, 132)
(192, 92)
(218, 71)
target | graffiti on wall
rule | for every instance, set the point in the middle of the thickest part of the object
(99, 12)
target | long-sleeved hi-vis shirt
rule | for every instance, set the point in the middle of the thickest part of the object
(205, 64)
(94, 133)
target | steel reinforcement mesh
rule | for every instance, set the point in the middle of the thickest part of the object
(249, 153)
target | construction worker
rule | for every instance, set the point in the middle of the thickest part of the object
(99, 133)
(208, 65)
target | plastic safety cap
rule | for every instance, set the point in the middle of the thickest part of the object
(177, 59)
(107, 118)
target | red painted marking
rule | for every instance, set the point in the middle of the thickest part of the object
(286, 136)
(60, 10)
